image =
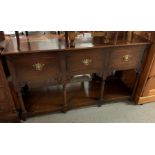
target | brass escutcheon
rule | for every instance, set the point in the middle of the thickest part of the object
(126, 58)
(86, 62)
(38, 66)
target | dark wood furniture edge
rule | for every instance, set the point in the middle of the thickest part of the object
(144, 75)
(12, 116)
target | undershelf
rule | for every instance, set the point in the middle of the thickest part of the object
(115, 90)
(46, 100)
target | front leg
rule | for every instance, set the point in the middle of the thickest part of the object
(23, 112)
(65, 105)
(135, 85)
(102, 91)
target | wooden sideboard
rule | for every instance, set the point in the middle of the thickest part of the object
(42, 62)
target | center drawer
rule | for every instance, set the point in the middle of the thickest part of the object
(85, 61)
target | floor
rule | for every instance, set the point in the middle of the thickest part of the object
(123, 112)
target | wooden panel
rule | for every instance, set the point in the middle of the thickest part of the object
(6, 117)
(152, 92)
(7, 108)
(1, 81)
(146, 90)
(150, 87)
(126, 58)
(152, 72)
(2, 77)
(3, 94)
(6, 102)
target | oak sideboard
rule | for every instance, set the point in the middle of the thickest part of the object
(48, 76)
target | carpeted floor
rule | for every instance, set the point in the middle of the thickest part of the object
(112, 113)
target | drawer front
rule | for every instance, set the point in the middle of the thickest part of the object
(86, 61)
(126, 58)
(38, 68)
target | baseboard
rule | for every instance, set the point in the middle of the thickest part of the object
(145, 99)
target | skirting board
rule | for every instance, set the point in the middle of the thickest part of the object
(145, 99)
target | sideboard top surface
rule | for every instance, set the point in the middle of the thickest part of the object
(40, 43)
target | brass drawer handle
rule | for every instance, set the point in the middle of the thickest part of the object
(38, 66)
(126, 58)
(86, 62)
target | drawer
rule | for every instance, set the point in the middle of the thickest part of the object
(86, 61)
(36, 68)
(126, 57)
